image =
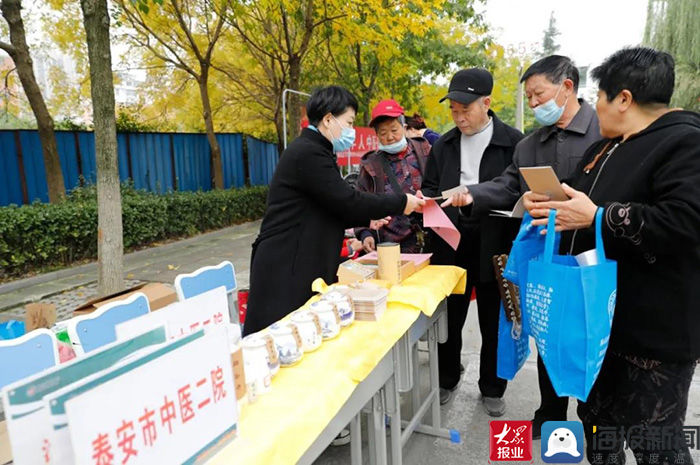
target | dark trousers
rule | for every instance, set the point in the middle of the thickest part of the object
(644, 406)
(488, 303)
(552, 407)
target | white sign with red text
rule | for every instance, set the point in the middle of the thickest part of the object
(365, 141)
(28, 420)
(181, 318)
(174, 405)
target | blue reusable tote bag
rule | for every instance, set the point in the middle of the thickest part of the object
(528, 245)
(571, 309)
(513, 348)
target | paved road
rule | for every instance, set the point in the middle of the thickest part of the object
(71, 287)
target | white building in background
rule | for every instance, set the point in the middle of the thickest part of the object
(127, 86)
(587, 89)
(46, 63)
(126, 82)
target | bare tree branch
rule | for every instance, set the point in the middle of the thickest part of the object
(178, 63)
(143, 29)
(8, 48)
(246, 38)
(7, 77)
(217, 35)
(328, 19)
(187, 30)
(285, 27)
(243, 86)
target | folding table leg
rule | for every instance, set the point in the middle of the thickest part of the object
(371, 437)
(393, 408)
(356, 440)
(434, 376)
(379, 429)
(415, 392)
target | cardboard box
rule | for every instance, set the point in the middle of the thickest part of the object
(5, 451)
(39, 315)
(159, 295)
(409, 265)
(351, 271)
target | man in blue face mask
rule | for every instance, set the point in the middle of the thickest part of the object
(397, 167)
(569, 127)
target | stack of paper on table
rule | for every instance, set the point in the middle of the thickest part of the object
(369, 303)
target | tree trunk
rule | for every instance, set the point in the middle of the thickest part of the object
(11, 11)
(216, 165)
(363, 105)
(280, 132)
(294, 105)
(519, 104)
(109, 212)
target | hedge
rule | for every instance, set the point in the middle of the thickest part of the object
(40, 235)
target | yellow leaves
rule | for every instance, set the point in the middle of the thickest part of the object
(246, 81)
(56, 4)
(436, 114)
(496, 51)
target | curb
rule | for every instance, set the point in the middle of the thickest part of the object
(90, 269)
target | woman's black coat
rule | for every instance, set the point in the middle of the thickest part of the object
(308, 208)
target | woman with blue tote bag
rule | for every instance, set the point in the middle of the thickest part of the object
(645, 176)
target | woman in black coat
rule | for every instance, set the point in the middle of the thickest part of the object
(308, 208)
(645, 175)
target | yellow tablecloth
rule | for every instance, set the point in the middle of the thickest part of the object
(282, 424)
(425, 289)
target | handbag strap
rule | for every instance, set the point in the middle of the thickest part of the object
(390, 174)
(420, 153)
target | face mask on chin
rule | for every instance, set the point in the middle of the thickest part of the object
(396, 147)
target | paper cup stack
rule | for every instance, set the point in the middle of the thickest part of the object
(369, 302)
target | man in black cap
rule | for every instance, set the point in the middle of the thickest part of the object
(478, 149)
(569, 127)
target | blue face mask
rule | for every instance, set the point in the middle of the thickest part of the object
(346, 139)
(549, 112)
(396, 147)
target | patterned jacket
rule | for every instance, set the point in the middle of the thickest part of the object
(408, 167)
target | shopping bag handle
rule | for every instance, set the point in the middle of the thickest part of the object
(525, 226)
(549, 241)
(599, 248)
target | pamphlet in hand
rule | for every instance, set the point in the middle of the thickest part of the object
(449, 193)
(543, 180)
(517, 212)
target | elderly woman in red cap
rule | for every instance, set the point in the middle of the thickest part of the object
(396, 168)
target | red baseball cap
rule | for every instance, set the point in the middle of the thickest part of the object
(388, 107)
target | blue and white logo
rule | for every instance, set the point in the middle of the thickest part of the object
(562, 442)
